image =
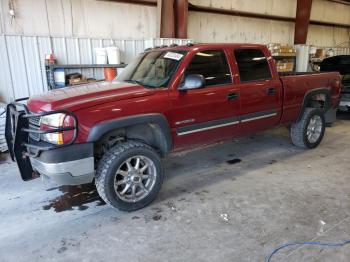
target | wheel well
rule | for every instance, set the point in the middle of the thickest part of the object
(318, 98)
(150, 134)
(317, 101)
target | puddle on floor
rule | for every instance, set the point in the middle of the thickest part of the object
(233, 161)
(74, 198)
(5, 158)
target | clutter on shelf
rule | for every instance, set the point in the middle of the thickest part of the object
(284, 55)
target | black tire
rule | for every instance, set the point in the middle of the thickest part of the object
(299, 130)
(111, 162)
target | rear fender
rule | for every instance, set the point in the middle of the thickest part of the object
(316, 94)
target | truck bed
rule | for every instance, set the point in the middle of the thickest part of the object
(296, 85)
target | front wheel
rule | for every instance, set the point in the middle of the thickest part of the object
(309, 130)
(129, 176)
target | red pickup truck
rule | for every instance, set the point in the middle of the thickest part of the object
(167, 99)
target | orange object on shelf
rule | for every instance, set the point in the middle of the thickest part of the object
(110, 73)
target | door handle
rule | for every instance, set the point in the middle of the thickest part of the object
(271, 91)
(232, 96)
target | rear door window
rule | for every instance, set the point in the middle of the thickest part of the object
(252, 65)
(212, 65)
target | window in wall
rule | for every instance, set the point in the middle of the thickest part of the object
(252, 65)
(212, 65)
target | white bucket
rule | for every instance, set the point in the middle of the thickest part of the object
(101, 56)
(59, 77)
(113, 53)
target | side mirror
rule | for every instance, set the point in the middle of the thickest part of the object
(192, 82)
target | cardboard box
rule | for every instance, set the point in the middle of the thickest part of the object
(285, 66)
(320, 53)
(77, 81)
(291, 54)
(278, 49)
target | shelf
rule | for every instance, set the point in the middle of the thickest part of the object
(284, 57)
(81, 66)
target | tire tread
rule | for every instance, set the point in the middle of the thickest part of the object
(104, 164)
(298, 129)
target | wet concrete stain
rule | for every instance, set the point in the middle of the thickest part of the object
(74, 196)
(171, 206)
(156, 217)
(233, 161)
(18, 197)
(4, 159)
(61, 250)
(53, 188)
(203, 192)
(157, 209)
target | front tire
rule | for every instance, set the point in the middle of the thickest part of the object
(129, 176)
(309, 130)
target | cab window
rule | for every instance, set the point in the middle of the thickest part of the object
(252, 65)
(212, 65)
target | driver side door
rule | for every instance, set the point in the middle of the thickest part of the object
(208, 114)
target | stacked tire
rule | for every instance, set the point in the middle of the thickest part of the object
(3, 145)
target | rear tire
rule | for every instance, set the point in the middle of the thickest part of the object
(309, 130)
(129, 176)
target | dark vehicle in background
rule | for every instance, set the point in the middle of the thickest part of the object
(344, 104)
(340, 64)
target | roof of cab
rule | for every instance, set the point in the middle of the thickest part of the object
(189, 47)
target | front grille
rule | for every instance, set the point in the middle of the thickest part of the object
(34, 123)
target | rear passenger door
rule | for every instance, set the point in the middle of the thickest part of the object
(260, 90)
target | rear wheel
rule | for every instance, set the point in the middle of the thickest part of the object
(309, 131)
(129, 176)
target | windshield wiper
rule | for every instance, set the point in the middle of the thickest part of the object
(138, 82)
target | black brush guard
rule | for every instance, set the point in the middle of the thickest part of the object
(17, 131)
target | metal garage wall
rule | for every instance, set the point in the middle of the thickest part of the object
(206, 27)
(22, 69)
(341, 50)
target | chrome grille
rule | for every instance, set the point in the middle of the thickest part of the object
(34, 123)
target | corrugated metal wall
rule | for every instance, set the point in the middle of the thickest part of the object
(22, 69)
(341, 50)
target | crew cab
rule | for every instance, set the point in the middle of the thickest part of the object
(168, 99)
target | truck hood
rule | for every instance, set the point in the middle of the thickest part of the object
(78, 97)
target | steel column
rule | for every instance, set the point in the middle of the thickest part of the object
(181, 18)
(135, 2)
(302, 21)
(166, 18)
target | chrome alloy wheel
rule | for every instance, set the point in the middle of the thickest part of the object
(135, 178)
(314, 129)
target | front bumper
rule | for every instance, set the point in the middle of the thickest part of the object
(67, 164)
(71, 165)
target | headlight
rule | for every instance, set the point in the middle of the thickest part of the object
(54, 138)
(52, 122)
(55, 120)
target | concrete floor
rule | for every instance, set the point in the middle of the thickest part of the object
(207, 210)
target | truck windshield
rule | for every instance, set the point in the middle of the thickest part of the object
(152, 69)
